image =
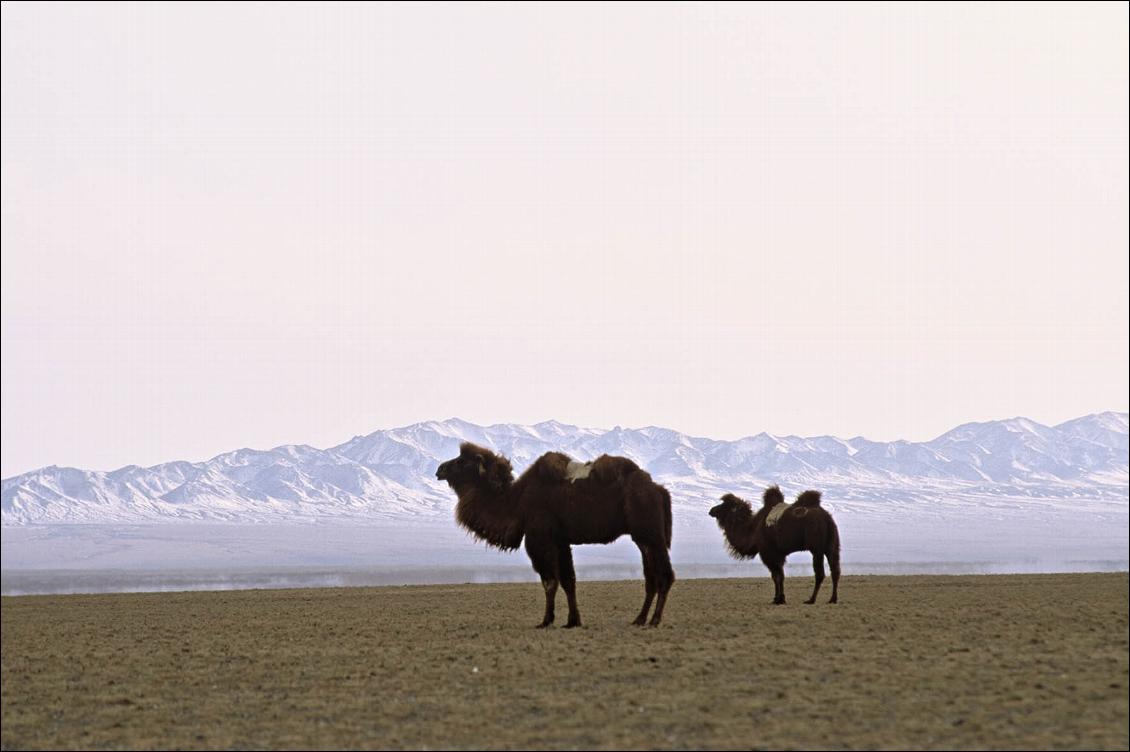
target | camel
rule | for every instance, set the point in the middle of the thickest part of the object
(777, 530)
(557, 503)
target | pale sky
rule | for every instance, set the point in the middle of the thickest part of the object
(248, 225)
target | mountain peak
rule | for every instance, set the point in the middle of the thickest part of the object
(1109, 420)
(391, 472)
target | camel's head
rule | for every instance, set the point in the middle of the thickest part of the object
(476, 465)
(731, 508)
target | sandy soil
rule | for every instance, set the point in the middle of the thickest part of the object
(1027, 661)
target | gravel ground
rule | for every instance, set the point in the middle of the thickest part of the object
(1018, 661)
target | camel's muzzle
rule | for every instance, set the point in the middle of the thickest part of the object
(441, 471)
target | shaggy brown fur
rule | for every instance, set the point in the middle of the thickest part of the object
(553, 513)
(805, 526)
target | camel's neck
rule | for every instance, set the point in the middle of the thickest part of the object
(490, 515)
(739, 532)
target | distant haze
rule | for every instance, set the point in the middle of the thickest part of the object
(248, 225)
(1002, 496)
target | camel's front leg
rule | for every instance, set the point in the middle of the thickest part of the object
(550, 596)
(543, 555)
(778, 573)
(569, 582)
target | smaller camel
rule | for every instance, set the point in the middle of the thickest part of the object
(779, 529)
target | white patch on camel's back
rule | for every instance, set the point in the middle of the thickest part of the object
(575, 471)
(775, 514)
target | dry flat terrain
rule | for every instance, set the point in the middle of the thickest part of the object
(1027, 661)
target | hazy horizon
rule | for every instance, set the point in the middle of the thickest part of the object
(249, 226)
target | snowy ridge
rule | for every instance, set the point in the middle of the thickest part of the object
(390, 474)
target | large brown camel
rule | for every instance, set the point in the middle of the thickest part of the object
(557, 503)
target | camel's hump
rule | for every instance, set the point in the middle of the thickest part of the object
(552, 465)
(604, 469)
(808, 499)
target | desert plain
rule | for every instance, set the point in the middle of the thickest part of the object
(902, 662)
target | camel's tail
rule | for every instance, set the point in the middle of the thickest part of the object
(667, 516)
(808, 499)
(832, 549)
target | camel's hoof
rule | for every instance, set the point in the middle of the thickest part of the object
(833, 600)
(544, 625)
(810, 601)
(572, 625)
(639, 623)
(778, 603)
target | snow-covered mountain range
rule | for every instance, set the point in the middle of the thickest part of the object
(390, 473)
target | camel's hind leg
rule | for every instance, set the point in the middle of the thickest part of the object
(664, 578)
(834, 565)
(647, 508)
(649, 586)
(568, 579)
(818, 570)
